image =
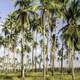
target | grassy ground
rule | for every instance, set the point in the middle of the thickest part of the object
(38, 76)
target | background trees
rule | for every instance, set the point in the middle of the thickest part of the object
(27, 21)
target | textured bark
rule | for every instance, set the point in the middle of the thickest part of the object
(22, 61)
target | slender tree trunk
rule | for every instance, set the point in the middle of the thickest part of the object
(72, 60)
(36, 52)
(47, 56)
(44, 69)
(53, 66)
(42, 54)
(39, 66)
(62, 60)
(32, 58)
(62, 63)
(46, 65)
(4, 60)
(22, 61)
(53, 62)
(14, 68)
(53, 56)
(33, 54)
(69, 60)
(35, 62)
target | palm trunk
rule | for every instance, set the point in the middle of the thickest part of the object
(35, 52)
(42, 54)
(4, 54)
(72, 60)
(62, 60)
(22, 61)
(47, 56)
(44, 69)
(32, 58)
(22, 48)
(53, 56)
(62, 63)
(69, 61)
(14, 62)
(4, 60)
(14, 70)
(46, 65)
(53, 66)
(39, 66)
(53, 62)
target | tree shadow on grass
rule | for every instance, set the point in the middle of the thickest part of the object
(7, 78)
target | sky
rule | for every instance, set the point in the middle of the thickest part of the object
(6, 6)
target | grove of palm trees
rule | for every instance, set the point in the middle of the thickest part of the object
(40, 40)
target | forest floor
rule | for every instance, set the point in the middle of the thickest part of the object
(38, 76)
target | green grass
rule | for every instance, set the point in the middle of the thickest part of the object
(38, 76)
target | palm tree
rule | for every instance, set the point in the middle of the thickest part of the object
(23, 26)
(45, 10)
(49, 11)
(34, 25)
(70, 33)
(5, 41)
(45, 13)
(10, 23)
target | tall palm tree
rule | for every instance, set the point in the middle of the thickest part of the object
(46, 9)
(23, 26)
(5, 31)
(10, 23)
(34, 25)
(70, 33)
